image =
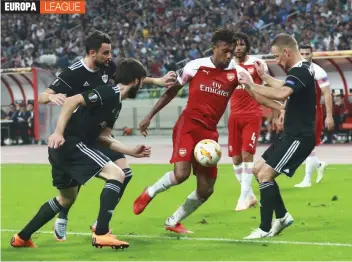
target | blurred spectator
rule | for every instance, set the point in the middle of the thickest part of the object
(30, 120)
(20, 124)
(153, 30)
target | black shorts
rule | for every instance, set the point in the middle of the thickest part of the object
(75, 163)
(113, 156)
(287, 153)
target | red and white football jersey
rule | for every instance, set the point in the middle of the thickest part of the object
(242, 103)
(321, 81)
(210, 89)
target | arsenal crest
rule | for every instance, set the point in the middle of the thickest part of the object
(105, 78)
(251, 70)
(182, 152)
(230, 76)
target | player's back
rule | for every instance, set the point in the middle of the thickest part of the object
(79, 78)
(321, 81)
(210, 89)
(103, 108)
(242, 103)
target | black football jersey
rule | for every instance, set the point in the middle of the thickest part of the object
(301, 104)
(78, 78)
(103, 105)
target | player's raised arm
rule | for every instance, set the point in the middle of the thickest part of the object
(272, 93)
(56, 93)
(263, 72)
(167, 80)
(184, 77)
(115, 145)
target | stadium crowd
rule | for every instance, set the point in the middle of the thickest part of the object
(161, 33)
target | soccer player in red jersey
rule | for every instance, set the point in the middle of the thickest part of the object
(211, 83)
(322, 88)
(244, 123)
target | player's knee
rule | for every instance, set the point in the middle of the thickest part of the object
(66, 201)
(205, 193)
(265, 175)
(247, 157)
(237, 160)
(112, 172)
(182, 171)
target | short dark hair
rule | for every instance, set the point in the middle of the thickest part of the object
(224, 34)
(96, 39)
(245, 38)
(129, 69)
(284, 40)
(306, 47)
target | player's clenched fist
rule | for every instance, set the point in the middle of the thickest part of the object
(260, 67)
(169, 79)
(57, 99)
(143, 126)
(245, 78)
(142, 151)
(56, 140)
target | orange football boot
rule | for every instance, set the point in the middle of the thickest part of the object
(108, 240)
(16, 241)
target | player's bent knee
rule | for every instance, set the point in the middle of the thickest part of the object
(266, 174)
(182, 171)
(247, 157)
(204, 194)
(66, 201)
(236, 160)
(112, 172)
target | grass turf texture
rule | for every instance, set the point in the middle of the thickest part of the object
(318, 219)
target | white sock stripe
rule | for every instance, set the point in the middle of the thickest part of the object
(112, 188)
(128, 175)
(287, 156)
(265, 186)
(112, 185)
(53, 205)
(94, 153)
(101, 162)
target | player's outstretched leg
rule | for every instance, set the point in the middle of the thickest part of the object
(109, 198)
(206, 178)
(182, 171)
(128, 177)
(46, 212)
(60, 224)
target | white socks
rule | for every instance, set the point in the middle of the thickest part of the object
(238, 172)
(165, 182)
(246, 185)
(312, 162)
(192, 203)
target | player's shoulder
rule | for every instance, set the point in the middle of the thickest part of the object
(252, 59)
(76, 66)
(200, 62)
(318, 69)
(301, 67)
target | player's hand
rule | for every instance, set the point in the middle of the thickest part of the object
(329, 122)
(142, 151)
(280, 121)
(57, 99)
(56, 140)
(143, 126)
(169, 79)
(245, 78)
(259, 66)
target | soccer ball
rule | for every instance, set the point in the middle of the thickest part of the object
(207, 153)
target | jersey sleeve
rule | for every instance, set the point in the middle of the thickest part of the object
(64, 83)
(296, 79)
(102, 95)
(321, 76)
(187, 73)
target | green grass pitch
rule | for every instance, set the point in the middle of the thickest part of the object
(322, 228)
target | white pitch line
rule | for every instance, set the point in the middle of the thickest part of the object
(208, 239)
